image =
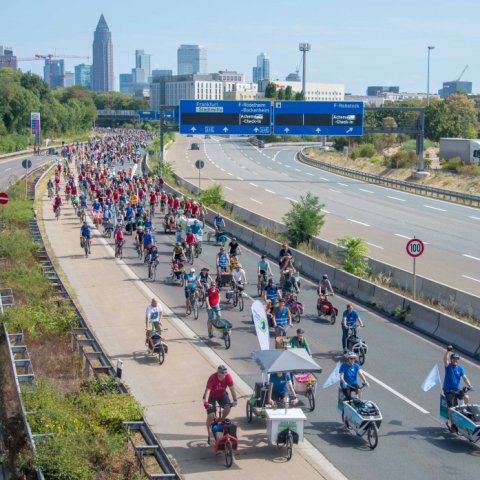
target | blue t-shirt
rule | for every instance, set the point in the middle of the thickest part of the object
(139, 208)
(351, 318)
(191, 281)
(96, 206)
(129, 212)
(350, 373)
(83, 203)
(148, 239)
(218, 221)
(196, 229)
(148, 224)
(263, 265)
(280, 382)
(85, 230)
(452, 378)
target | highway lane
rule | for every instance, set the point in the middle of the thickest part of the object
(10, 170)
(386, 218)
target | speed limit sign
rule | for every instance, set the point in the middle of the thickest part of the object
(415, 247)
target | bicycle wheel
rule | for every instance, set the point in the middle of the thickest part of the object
(361, 357)
(311, 400)
(182, 281)
(223, 242)
(191, 258)
(240, 302)
(120, 253)
(195, 309)
(234, 299)
(333, 317)
(227, 340)
(297, 316)
(372, 435)
(139, 252)
(289, 444)
(161, 355)
(260, 290)
(229, 453)
(85, 247)
(154, 272)
(249, 411)
(201, 298)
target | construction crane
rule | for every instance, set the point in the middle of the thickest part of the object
(461, 75)
(50, 56)
(9, 61)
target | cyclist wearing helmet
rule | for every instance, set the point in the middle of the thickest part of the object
(451, 385)
(348, 377)
(178, 253)
(191, 283)
(271, 292)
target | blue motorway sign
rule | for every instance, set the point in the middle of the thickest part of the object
(318, 118)
(224, 117)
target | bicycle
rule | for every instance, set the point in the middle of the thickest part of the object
(82, 215)
(237, 297)
(50, 193)
(57, 212)
(263, 284)
(140, 250)
(189, 255)
(194, 305)
(202, 294)
(152, 209)
(156, 344)
(119, 250)
(152, 270)
(84, 245)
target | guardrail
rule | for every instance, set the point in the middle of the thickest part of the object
(392, 183)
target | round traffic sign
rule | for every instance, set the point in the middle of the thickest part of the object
(415, 247)
(26, 163)
(199, 164)
(3, 198)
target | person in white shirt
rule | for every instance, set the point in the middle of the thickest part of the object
(239, 277)
(153, 318)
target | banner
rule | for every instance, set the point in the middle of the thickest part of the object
(432, 379)
(134, 169)
(261, 324)
(334, 377)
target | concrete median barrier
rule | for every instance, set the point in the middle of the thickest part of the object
(467, 304)
(386, 300)
(345, 282)
(304, 263)
(323, 246)
(438, 291)
(272, 248)
(458, 333)
(422, 317)
(259, 241)
(320, 269)
(247, 235)
(366, 291)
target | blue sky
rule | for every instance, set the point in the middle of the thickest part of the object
(355, 43)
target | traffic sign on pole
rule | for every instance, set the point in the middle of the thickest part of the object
(415, 248)
(3, 198)
(199, 164)
(318, 118)
(225, 117)
(26, 163)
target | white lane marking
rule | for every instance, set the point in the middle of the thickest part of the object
(270, 168)
(325, 211)
(470, 278)
(8, 169)
(475, 218)
(326, 179)
(368, 191)
(222, 169)
(469, 256)
(298, 170)
(435, 208)
(374, 245)
(211, 179)
(310, 174)
(253, 200)
(270, 191)
(253, 184)
(296, 201)
(280, 163)
(344, 184)
(229, 188)
(240, 178)
(286, 174)
(408, 238)
(395, 198)
(356, 221)
(259, 163)
(399, 395)
(230, 174)
(336, 191)
(288, 166)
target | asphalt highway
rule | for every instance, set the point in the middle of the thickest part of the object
(12, 169)
(413, 441)
(265, 180)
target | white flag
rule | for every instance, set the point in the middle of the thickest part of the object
(334, 377)
(261, 324)
(432, 379)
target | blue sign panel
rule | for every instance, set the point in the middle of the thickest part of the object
(225, 117)
(148, 113)
(318, 118)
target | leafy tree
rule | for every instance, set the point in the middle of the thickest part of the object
(288, 93)
(304, 219)
(214, 195)
(460, 105)
(300, 96)
(271, 90)
(340, 142)
(367, 150)
(440, 123)
(352, 254)
(281, 94)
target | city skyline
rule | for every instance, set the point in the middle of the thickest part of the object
(369, 46)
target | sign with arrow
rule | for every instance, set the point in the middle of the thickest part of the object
(314, 118)
(225, 116)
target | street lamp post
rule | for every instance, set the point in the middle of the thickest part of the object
(304, 47)
(428, 77)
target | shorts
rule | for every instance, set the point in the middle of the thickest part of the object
(277, 396)
(189, 292)
(148, 247)
(223, 401)
(263, 272)
(453, 397)
(155, 326)
(347, 391)
(215, 308)
(222, 268)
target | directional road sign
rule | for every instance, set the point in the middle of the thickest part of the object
(415, 247)
(3, 198)
(199, 164)
(225, 117)
(26, 163)
(318, 118)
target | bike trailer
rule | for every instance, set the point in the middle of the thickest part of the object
(155, 341)
(108, 226)
(301, 381)
(218, 327)
(279, 343)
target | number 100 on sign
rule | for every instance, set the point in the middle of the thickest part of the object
(415, 247)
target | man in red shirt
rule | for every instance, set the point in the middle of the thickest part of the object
(190, 240)
(213, 304)
(176, 204)
(153, 199)
(216, 392)
(119, 240)
(194, 209)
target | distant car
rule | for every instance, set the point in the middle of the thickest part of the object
(195, 146)
(189, 135)
(227, 136)
(207, 136)
(261, 144)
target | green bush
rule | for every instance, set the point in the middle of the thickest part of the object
(402, 158)
(304, 219)
(376, 160)
(355, 153)
(352, 255)
(367, 150)
(340, 142)
(453, 164)
(213, 195)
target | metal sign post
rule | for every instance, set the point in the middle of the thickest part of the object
(199, 164)
(3, 202)
(415, 248)
(26, 164)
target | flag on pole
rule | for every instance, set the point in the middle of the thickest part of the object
(334, 377)
(432, 379)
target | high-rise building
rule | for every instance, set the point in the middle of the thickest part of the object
(58, 70)
(7, 59)
(69, 79)
(293, 77)
(449, 88)
(375, 91)
(83, 75)
(142, 60)
(162, 73)
(262, 70)
(103, 80)
(191, 59)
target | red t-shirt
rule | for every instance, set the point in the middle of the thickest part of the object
(170, 201)
(213, 297)
(153, 197)
(190, 238)
(194, 208)
(218, 387)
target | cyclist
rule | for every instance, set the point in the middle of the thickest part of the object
(271, 292)
(83, 202)
(153, 259)
(237, 276)
(216, 392)
(202, 211)
(298, 341)
(163, 200)
(277, 388)
(194, 209)
(153, 199)
(348, 377)
(75, 202)
(139, 238)
(281, 317)
(350, 319)
(222, 260)
(190, 241)
(289, 284)
(234, 249)
(205, 277)
(213, 305)
(50, 187)
(263, 269)
(219, 222)
(86, 234)
(57, 203)
(148, 223)
(323, 286)
(451, 384)
(178, 253)
(191, 283)
(196, 230)
(153, 318)
(119, 240)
